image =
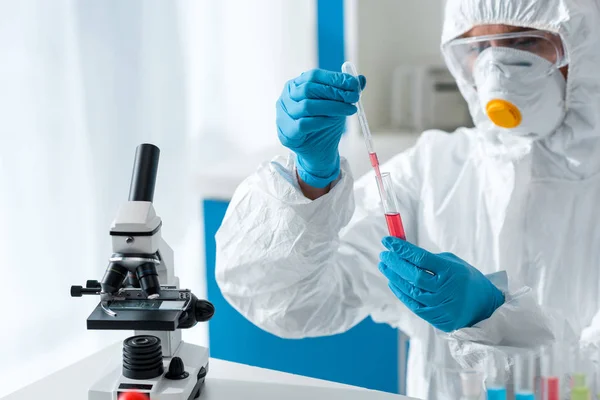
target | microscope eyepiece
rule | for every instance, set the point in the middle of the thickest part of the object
(145, 169)
(148, 279)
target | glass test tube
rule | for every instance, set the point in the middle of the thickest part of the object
(524, 376)
(496, 379)
(550, 373)
(471, 384)
(582, 367)
(390, 206)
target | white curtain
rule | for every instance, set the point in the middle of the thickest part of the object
(243, 53)
(82, 83)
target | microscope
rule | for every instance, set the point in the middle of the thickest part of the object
(140, 292)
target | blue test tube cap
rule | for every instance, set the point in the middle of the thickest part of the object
(525, 396)
(498, 393)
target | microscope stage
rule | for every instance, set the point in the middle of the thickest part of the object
(141, 314)
(145, 320)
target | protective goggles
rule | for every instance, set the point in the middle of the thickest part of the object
(462, 53)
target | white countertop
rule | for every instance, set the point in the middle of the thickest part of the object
(225, 380)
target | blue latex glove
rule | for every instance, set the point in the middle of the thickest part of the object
(311, 115)
(457, 296)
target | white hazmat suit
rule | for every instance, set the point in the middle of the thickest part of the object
(301, 268)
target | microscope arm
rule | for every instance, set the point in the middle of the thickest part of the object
(166, 273)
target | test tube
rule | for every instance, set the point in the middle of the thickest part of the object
(472, 385)
(594, 379)
(580, 393)
(578, 380)
(524, 376)
(552, 387)
(581, 368)
(390, 206)
(496, 378)
(550, 372)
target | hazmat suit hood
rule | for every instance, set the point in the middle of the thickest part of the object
(573, 150)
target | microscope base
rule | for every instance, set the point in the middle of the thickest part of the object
(195, 359)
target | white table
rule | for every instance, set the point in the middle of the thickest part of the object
(225, 381)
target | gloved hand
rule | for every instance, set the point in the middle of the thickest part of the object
(311, 113)
(457, 296)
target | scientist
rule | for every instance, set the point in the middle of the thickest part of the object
(503, 214)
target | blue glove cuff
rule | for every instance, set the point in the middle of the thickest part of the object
(319, 179)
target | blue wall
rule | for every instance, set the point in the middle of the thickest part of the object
(330, 34)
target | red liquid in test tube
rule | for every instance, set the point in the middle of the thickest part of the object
(390, 205)
(553, 388)
(394, 223)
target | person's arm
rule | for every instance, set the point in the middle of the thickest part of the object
(294, 254)
(311, 192)
(299, 268)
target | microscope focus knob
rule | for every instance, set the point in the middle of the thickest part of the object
(176, 369)
(91, 284)
(76, 291)
(203, 310)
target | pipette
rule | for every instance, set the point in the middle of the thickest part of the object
(349, 68)
(392, 216)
